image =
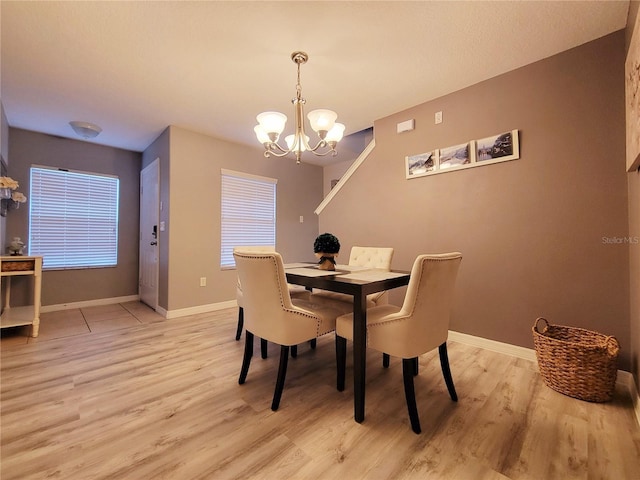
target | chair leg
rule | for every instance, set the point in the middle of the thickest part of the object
(341, 361)
(263, 348)
(385, 360)
(240, 322)
(294, 351)
(312, 343)
(446, 371)
(246, 359)
(410, 393)
(415, 366)
(282, 373)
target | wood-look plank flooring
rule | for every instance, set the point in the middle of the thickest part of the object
(160, 400)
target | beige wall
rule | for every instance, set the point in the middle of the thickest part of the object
(190, 165)
(531, 230)
(28, 148)
(349, 149)
(634, 233)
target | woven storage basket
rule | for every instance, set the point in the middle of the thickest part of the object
(18, 266)
(577, 362)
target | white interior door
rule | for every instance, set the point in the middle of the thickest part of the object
(149, 249)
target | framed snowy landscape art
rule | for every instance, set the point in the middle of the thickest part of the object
(456, 156)
(498, 148)
(421, 164)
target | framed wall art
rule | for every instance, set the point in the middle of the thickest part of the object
(456, 156)
(498, 148)
(421, 164)
(632, 99)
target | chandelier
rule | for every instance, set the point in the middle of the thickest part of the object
(323, 122)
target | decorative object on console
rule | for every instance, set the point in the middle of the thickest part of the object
(326, 247)
(323, 122)
(16, 246)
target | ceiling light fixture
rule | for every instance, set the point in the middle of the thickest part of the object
(85, 129)
(323, 122)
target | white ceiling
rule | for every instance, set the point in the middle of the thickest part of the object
(135, 67)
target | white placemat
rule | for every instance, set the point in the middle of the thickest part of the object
(310, 272)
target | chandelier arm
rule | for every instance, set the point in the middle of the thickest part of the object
(276, 150)
(331, 151)
(321, 144)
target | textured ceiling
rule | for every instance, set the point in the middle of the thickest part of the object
(135, 67)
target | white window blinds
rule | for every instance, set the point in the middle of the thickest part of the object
(73, 220)
(248, 213)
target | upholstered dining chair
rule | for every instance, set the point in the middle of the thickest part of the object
(271, 314)
(294, 290)
(419, 326)
(371, 257)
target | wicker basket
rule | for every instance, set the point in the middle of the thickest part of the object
(18, 266)
(577, 362)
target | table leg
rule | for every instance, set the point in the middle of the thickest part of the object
(37, 292)
(359, 354)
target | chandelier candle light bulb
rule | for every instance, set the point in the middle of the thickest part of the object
(322, 121)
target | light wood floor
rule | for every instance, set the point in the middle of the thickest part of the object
(160, 400)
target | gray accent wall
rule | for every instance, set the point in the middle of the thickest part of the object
(533, 231)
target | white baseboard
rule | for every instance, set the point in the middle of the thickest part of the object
(182, 312)
(211, 307)
(635, 397)
(89, 303)
(625, 379)
(494, 346)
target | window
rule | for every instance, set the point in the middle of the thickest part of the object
(248, 213)
(73, 219)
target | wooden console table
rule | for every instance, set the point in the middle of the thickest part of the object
(12, 266)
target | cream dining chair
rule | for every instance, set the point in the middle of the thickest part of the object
(271, 314)
(419, 326)
(296, 291)
(371, 257)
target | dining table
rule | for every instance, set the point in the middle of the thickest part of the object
(357, 282)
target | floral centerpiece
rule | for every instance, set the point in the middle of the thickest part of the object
(6, 185)
(10, 198)
(18, 198)
(326, 248)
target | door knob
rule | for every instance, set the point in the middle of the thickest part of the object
(153, 243)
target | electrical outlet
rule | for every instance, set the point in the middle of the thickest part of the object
(438, 117)
(203, 281)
